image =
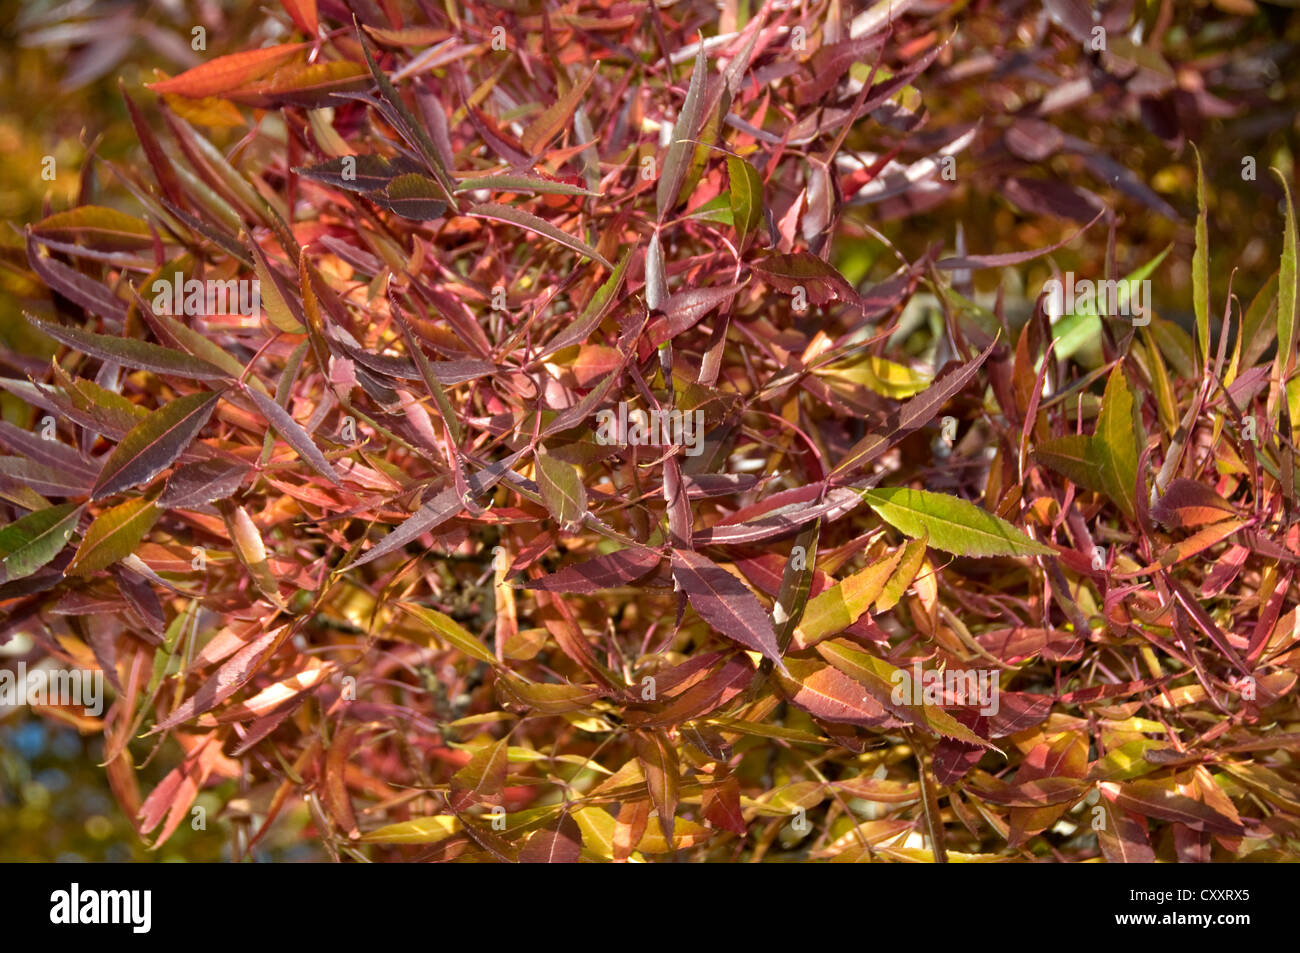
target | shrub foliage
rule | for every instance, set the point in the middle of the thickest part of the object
(592, 475)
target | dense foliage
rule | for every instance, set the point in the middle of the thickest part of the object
(529, 431)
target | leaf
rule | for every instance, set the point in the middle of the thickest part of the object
(975, 262)
(1116, 444)
(725, 603)
(73, 285)
(525, 220)
(885, 377)
(827, 693)
(303, 14)
(1201, 268)
(292, 432)
(195, 484)
(450, 631)
(682, 148)
(545, 698)
(553, 119)
(154, 443)
(562, 489)
(909, 564)
(1286, 293)
(1160, 799)
(835, 609)
(745, 197)
(879, 679)
(227, 72)
(954, 525)
(131, 352)
(820, 281)
(912, 416)
(603, 572)
(558, 843)
(28, 543)
(250, 550)
(274, 297)
(482, 777)
(520, 183)
(412, 196)
(1187, 503)
(114, 535)
(359, 173)
(421, 830)
(105, 229)
(658, 760)
(1123, 837)
(594, 312)
(1074, 457)
(1073, 15)
(684, 309)
(437, 511)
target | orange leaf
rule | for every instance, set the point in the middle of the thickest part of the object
(227, 72)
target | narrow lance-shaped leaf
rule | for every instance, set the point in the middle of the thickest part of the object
(746, 197)
(1116, 444)
(227, 72)
(1201, 268)
(526, 220)
(114, 535)
(954, 525)
(561, 488)
(912, 416)
(28, 543)
(292, 432)
(1286, 296)
(725, 603)
(131, 352)
(154, 444)
(553, 120)
(681, 149)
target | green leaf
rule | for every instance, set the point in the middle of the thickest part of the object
(422, 830)
(29, 543)
(98, 227)
(562, 489)
(954, 525)
(1286, 296)
(154, 444)
(885, 377)
(1073, 457)
(1116, 443)
(838, 607)
(114, 535)
(746, 197)
(600, 302)
(520, 183)
(1201, 268)
(274, 302)
(449, 631)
